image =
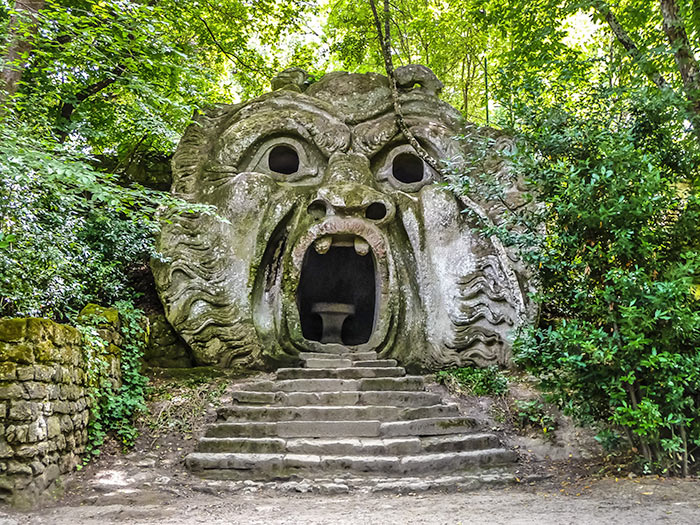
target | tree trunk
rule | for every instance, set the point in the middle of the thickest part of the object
(22, 29)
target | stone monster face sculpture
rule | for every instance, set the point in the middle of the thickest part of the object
(331, 232)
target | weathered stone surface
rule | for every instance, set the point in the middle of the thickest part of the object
(339, 373)
(331, 232)
(327, 428)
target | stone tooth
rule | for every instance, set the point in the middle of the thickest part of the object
(323, 244)
(361, 246)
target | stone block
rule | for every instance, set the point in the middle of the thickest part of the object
(37, 430)
(60, 442)
(8, 371)
(34, 390)
(23, 410)
(47, 352)
(53, 426)
(16, 433)
(25, 373)
(43, 373)
(12, 330)
(6, 451)
(30, 451)
(66, 423)
(11, 391)
(37, 467)
(106, 316)
(22, 353)
(15, 467)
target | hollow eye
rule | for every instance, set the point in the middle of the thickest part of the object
(283, 159)
(407, 168)
(401, 167)
(286, 159)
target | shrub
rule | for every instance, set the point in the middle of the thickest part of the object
(615, 240)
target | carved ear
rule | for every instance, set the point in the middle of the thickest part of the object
(408, 76)
(292, 79)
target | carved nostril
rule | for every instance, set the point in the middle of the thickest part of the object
(317, 209)
(375, 211)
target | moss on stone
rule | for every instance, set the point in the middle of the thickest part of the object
(21, 353)
(111, 315)
(12, 330)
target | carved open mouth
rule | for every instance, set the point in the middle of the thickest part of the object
(337, 292)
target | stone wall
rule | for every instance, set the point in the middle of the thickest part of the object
(44, 407)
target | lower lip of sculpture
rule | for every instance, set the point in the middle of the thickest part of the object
(337, 292)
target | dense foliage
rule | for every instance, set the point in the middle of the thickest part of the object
(618, 340)
(89, 92)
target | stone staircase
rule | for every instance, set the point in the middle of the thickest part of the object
(342, 413)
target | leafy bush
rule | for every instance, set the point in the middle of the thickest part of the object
(616, 243)
(477, 381)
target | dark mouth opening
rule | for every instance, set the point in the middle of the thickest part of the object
(336, 296)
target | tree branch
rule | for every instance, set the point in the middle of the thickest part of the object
(632, 50)
(229, 54)
(66, 109)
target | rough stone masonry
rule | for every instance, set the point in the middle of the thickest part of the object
(44, 406)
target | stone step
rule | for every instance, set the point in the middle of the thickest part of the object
(337, 362)
(247, 397)
(329, 363)
(400, 446)
(333, 413)
(340, 373)
(373, 363)
(385, 398)
(336, 349)
(410, 383)
(428, 427)
(261, 466)
(352, 356)
(360, 428)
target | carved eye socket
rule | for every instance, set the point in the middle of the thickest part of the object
(283, 159)
(407, 168)
(403, 169)
(286, 159)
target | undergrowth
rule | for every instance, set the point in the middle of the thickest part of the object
(476, 381)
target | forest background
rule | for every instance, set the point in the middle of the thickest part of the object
(602, 97)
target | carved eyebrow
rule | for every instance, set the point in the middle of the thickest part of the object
(278, 116)
(370, 137)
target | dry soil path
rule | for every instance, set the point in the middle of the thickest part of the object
(605, 501)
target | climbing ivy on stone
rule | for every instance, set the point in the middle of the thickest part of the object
(114, 339)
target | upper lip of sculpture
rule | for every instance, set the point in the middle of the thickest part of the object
(341, 231)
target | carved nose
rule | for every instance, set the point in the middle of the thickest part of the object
(348, 191)
(378, 210)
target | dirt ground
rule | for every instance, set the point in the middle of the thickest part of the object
(603, 501)
(562, 480)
